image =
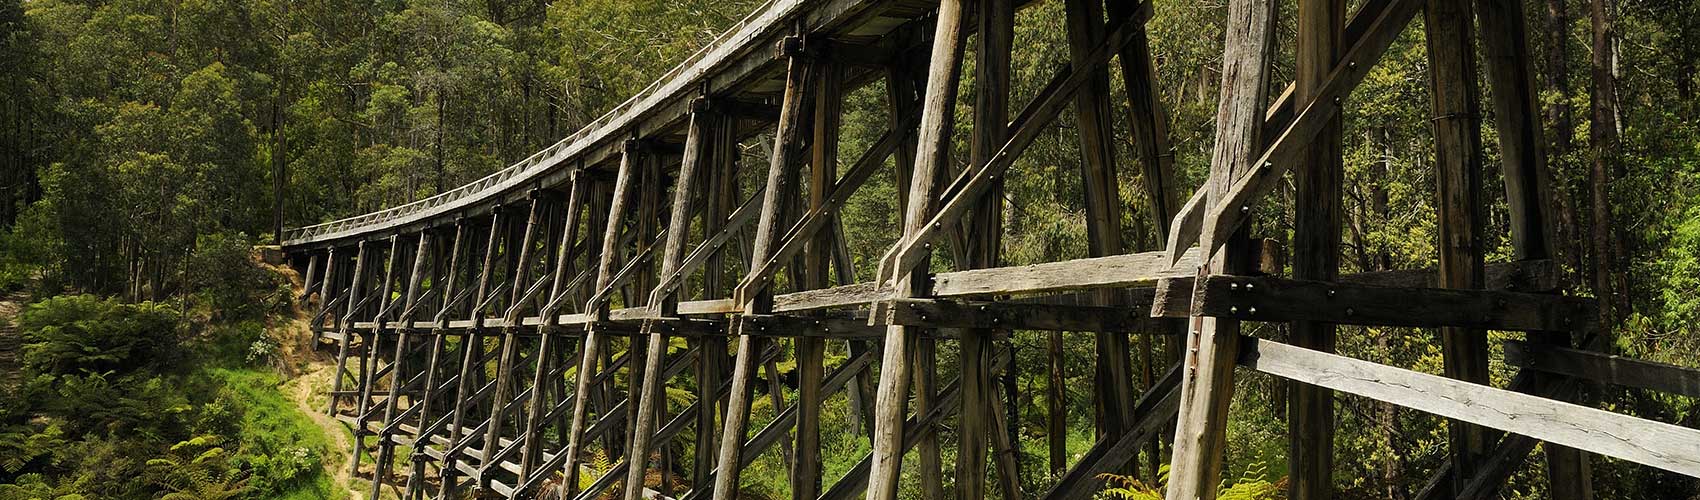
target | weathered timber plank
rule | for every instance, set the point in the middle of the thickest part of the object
(1646, 442)
(1124, 270)
(1207, 380)
(1275, 299)
(1616, 370)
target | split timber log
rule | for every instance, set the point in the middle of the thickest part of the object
(1615, 370)
(1656, 444)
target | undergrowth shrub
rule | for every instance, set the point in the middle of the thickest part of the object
(75, 334)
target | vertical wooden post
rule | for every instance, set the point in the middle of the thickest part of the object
(665, 304)
(343, 328)
(369, 359)
(811, 350)
(1056, 404)
(1207, 383)
(932, 148)
(307, 282)
(1458, 164)
(723, 166)
(519, 277)
(1103, 212)
(327, 291)
(449, 279)
(472, 350)
(532, 450)
(1149, 130)
(1528, 191)
(1316, 251)
(996, 32)
(593, 339)
(398, 361)
(781, 176)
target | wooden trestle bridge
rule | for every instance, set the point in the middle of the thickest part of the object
(476, 331)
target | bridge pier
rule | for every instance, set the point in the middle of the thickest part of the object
(535, 351)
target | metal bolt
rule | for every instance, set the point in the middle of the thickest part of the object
(1233, 286)
(1352, 65)
(1269, 164)
(1350, 312)
(1245, 208)
(1233, 310)
(1252, 311)
(1336, 100)
(1248, 286)
(1330, 294)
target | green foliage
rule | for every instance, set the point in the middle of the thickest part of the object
(76, 334)
(1120, 487)
(227, 281)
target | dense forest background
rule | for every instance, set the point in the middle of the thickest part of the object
(146, 144)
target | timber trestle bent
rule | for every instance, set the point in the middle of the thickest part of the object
(564, 327)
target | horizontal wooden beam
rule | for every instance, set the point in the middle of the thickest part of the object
(1174, 295)
(1255, 298)
(1642, 441)
(1616, 370)
(1018, 316)
(1127, 270)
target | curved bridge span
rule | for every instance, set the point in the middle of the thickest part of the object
(519, 336)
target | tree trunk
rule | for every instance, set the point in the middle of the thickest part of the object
(442, 105)
(1561, 133)
(279, 166)
(1602, 132)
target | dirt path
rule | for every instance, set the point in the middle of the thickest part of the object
(11, 340)
(300, 389)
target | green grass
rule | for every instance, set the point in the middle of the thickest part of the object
(273, 426)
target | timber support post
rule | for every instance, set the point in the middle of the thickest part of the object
(515, 352)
